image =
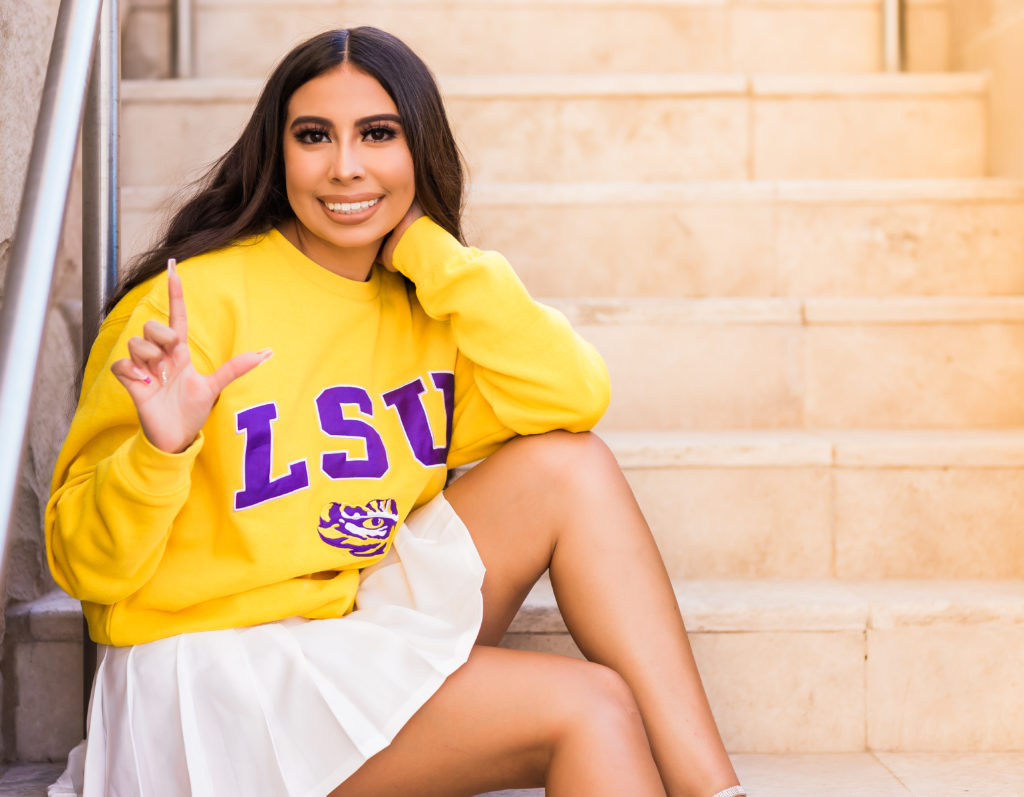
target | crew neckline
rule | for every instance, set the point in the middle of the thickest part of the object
(322, 277)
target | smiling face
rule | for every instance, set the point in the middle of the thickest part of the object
(349, 174)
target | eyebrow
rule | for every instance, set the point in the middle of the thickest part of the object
(324, 122)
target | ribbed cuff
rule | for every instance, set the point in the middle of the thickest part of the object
(153, 471)
(422, 248)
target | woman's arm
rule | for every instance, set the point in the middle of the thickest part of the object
(522, 368)
(124, 471)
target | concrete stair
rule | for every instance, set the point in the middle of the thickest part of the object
(742, 363)
(795, 775)
(641, 127)
(838, 238)
(862, 664)
(555, 36)
(810, 297)
(849, 505)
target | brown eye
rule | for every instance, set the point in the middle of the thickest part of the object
(379, 133)
(313, 135)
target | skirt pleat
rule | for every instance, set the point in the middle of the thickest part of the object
(292, 707)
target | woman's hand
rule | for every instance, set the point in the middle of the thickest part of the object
(387, 250)
(172, 398)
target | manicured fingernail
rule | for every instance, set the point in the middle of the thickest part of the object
(265, 354)
(171, 265)
(147, 380)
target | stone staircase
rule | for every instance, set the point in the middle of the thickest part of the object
(811, 300)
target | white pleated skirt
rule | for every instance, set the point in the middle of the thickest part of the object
(286, 708)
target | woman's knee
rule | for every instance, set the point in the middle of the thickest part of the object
(564, 462)
(599, 706)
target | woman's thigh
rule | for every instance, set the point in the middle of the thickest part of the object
(498, 722)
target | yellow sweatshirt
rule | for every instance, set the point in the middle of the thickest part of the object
(308, 464)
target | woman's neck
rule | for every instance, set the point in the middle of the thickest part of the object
(353, 263)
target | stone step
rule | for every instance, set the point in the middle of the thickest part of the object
(789, 666)
(869, 775)
(832, 667)
(841, 504)
(639, 127)
(799, 238)
(544, 36)
(42, 678)
(28, 780)
(772, 775)
(899, 362)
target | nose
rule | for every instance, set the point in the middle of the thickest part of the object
(348, 163)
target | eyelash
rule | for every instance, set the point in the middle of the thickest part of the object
(390, 131)
(306, 134)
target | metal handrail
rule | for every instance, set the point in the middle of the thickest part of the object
(893, 43)
(100, 219)
(100, 176)
(183, 58)
(37, 237)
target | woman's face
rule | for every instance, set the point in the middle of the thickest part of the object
(348, 170)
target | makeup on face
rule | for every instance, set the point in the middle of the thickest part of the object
(348, 170)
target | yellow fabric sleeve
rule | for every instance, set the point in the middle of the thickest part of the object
(522, 369)
(114, 495)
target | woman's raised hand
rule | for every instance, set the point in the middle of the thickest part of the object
(387, 249)
(172, 398)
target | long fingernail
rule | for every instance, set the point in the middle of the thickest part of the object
(265, 354)
(172, 266)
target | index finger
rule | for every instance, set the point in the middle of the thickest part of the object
(176, 318)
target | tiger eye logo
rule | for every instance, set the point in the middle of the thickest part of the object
(360, 530)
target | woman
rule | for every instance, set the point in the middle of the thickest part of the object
(287, 602)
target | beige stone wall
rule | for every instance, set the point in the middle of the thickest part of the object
(26, 35)
(989, 35)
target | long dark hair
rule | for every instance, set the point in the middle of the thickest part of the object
(243, 193)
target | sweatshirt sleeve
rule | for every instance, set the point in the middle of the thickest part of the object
(114, 495)
(521, 367)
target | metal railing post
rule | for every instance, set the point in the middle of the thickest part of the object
(37, 236)
(100, 199)
(100, 218)
(893, 35)
(183, 54)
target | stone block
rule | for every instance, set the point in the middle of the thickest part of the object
(927, 45)
(941, 774)
(739, 522)
(810, 775)
(479, 38)
(146, 40)
(675, 374)
(928, 523)
(808, 37)
(871, 127)
(632, 239)
(173, 131)
(913, 247)
(915, 375)
(48, 713)
(784, 692)
(631, 136)
(946, 688)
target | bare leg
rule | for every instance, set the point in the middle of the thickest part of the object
(560, 500)
(517, 719)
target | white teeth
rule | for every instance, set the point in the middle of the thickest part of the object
(351, 207)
